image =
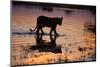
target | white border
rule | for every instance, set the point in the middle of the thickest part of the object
(88, 2)
(5, 33)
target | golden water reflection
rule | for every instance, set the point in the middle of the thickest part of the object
(44, 49)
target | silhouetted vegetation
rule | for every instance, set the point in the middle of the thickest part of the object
(48, 9)
(90, 27)
(68, 12)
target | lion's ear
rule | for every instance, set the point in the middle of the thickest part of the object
(61, 17)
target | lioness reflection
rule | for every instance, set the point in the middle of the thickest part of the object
(43, 21)
(43, 46)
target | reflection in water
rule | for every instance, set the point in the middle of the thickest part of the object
(43, 46)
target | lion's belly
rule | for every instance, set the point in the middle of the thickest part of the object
(48, 25)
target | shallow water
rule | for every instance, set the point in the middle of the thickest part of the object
(28, 48)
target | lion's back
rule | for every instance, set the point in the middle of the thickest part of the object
(48, 21)
(45, 20)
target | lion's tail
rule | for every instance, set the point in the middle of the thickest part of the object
(34, 29)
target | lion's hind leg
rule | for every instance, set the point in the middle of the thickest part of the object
(42, 31)
(51, 31)
(37, 32)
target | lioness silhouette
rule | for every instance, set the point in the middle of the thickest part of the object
(43, 21)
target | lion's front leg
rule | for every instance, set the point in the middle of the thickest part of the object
(54, 29)
(55, 32)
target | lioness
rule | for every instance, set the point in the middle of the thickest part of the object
(43, 21)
